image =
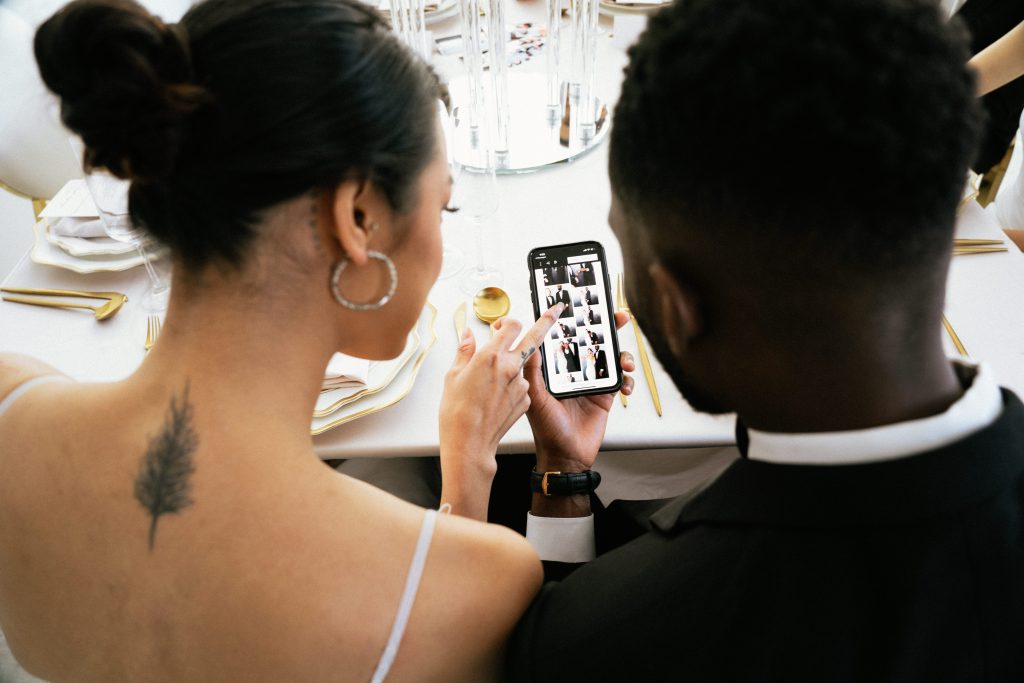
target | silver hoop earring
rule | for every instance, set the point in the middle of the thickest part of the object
(339, 268)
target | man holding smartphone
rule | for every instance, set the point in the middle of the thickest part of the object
(785, 178)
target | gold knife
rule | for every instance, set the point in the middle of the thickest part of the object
(644, 360)
(953, 336)
(966, 251)
(976, 243)
(460, 321)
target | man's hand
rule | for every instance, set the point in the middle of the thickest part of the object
(568, 433)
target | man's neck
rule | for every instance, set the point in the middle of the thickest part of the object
(862, 393)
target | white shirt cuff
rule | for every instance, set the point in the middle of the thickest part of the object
(562, 539)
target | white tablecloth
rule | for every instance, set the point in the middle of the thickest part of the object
(565, 203)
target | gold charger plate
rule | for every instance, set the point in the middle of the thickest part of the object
(381, 374)
(612, 9)
(46, 254)
(393, 392)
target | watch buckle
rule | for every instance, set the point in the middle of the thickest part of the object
(544, 483)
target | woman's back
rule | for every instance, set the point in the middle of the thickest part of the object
(176, 525)
(276, 568)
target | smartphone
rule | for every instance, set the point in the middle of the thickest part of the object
(580, 354)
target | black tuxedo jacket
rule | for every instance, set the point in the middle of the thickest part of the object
(572, 357)
(563, 296)
(904, 570)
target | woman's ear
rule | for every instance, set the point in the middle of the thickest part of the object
(356, 213)
(678, 307)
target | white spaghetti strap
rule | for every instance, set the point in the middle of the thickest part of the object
(25, 386)
(412, 585)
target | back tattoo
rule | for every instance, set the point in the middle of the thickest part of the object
(164, 482)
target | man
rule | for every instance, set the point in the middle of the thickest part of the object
(600, 363)
(785, 177)
(570, 351)
(549, 300)
(563, 296)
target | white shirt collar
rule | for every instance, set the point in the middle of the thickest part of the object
(979, 407)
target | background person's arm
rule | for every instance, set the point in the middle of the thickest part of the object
(1000, 62)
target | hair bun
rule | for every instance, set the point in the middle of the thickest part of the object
(125, 82)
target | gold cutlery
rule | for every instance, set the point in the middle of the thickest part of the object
(642, 350)
(965, 251)
(152, 331)
(620, 305)
(460, 321)
(975, 243)
(952, 335)
(490, 304)
(115, 300)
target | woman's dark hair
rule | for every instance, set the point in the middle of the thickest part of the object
(240, 106)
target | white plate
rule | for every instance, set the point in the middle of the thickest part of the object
(381, 374)
(88, 247)
(47, 254)
(613, 8)
(393, 392)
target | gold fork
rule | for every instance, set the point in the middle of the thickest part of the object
(114, 300)
(152, 331)
(642, 350)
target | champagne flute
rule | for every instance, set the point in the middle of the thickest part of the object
(110, 195)
(452, 258)
(477, 192)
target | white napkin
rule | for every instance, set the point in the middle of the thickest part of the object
(345, 371)
(78, 227)
(72, 200)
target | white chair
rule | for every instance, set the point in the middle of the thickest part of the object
(35, 159)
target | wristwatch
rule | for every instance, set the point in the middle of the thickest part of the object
(564, 483)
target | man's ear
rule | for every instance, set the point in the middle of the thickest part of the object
(355, 211)
(678, 307)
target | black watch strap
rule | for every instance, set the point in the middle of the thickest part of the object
(564, 483)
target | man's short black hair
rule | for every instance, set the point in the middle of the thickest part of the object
(839, 130)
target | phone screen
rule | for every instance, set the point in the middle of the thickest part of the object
(580, 353)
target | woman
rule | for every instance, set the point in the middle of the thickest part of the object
(177, 525)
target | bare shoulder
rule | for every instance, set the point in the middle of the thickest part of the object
(491, 543)
(16, 369)
(478, 581)
(489, 559)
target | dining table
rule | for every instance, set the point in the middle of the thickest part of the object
(562, 203)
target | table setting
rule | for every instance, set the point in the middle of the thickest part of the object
(389, 408)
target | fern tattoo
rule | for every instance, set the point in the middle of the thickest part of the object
(163, 485)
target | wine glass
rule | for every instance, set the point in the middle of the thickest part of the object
(110, 195)
(477, 193)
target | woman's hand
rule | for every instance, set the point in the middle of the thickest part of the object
(568, 433)
(484, 394)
